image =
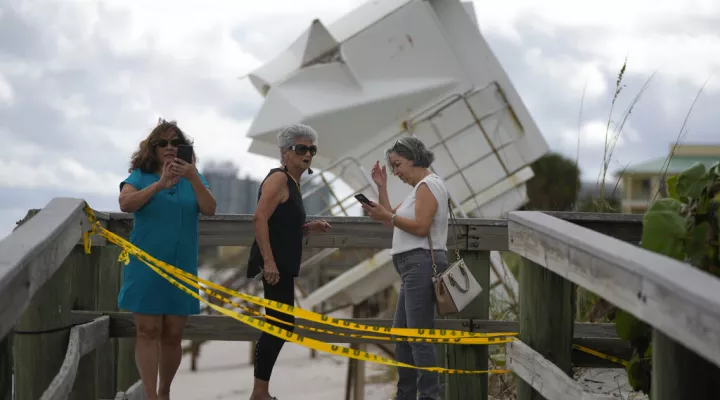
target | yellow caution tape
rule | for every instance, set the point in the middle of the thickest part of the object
(428, 335)
(600, 355)
(472, 340)
(316, 344)
(405, 334)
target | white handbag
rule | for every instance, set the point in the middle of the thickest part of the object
(456, 287)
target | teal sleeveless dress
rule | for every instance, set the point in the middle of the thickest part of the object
(166, 227)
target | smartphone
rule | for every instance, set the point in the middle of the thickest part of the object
(185, 153)
(361, 198)
(259, 275)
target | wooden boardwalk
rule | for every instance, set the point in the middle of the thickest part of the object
(58, 311)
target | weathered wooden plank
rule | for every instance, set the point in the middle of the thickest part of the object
(109, 275)
(676, 298)
(545, 377)
(136, 392)
(33, 252)
(41, 334)
(600, 337)
(6, 367)
(86, 292)
(547, 312)
(218, 327)
(679, 373)
(83, 339)
(460, 387)
(363, 232)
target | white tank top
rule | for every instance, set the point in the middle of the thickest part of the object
(404, 241)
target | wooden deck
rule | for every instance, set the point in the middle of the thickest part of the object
(59, 302)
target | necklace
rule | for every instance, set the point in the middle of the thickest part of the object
(291, 177)
(296, 182)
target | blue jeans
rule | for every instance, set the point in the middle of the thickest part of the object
(416, 309)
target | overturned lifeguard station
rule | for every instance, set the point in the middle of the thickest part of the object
(391, 68)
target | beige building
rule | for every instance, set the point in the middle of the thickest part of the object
(640, 182)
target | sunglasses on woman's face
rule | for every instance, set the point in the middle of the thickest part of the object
(164, 142)
(302, 149)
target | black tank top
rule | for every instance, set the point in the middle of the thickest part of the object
(286, 232)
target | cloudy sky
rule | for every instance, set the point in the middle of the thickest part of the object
(82, 81)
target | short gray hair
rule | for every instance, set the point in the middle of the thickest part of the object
(287, 137)
(411, 148)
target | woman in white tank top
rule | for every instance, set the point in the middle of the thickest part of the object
(422, 214)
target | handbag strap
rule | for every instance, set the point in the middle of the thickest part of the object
(432, 254)
(453, 223)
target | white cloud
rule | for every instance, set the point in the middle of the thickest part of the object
(6, 91)
(61, 174)
(218, 137)
(656, 35)
(110, 68)
(575, 76)
(596, 133)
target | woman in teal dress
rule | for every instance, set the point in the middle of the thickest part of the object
(165, 195)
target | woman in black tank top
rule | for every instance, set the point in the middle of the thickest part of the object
(279, 230)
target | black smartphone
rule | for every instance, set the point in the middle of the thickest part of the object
(185, 153)
(361, 198)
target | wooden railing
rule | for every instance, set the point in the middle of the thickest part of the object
(681, 303)
(41, 265)
(58, 300)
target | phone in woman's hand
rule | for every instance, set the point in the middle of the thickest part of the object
(259, 276)
(361, 198)
(185, 153)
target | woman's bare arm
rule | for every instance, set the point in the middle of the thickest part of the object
(274, 191)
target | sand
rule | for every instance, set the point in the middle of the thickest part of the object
(224, 372)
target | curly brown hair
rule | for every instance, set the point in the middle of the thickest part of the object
(144, 157)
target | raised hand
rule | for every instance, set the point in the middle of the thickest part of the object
(377, 212)
(168, 178)
(183, 168)
(379, 175)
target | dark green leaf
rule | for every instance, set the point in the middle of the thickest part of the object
(692, 181)
(671, 183)
(639, 372)
(714, 170)
(628, 327)
(698, 243)
(664, 228)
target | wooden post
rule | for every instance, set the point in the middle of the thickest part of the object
(42, 332)
(359, 311)
(460, 387)
(85, 285)
(679, 373)
(6, 345)
(109, 275)
(547, 310)
(127, 373)
(6, 367)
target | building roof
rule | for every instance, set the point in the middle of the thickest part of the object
(677, 165)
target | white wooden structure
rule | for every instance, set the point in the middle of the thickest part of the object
(391, 68)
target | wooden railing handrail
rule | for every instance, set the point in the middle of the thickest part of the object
(32, 253)
(677, 299)
(476, 234)
(545, 377)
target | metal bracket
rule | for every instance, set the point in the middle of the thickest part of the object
(469, 324)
